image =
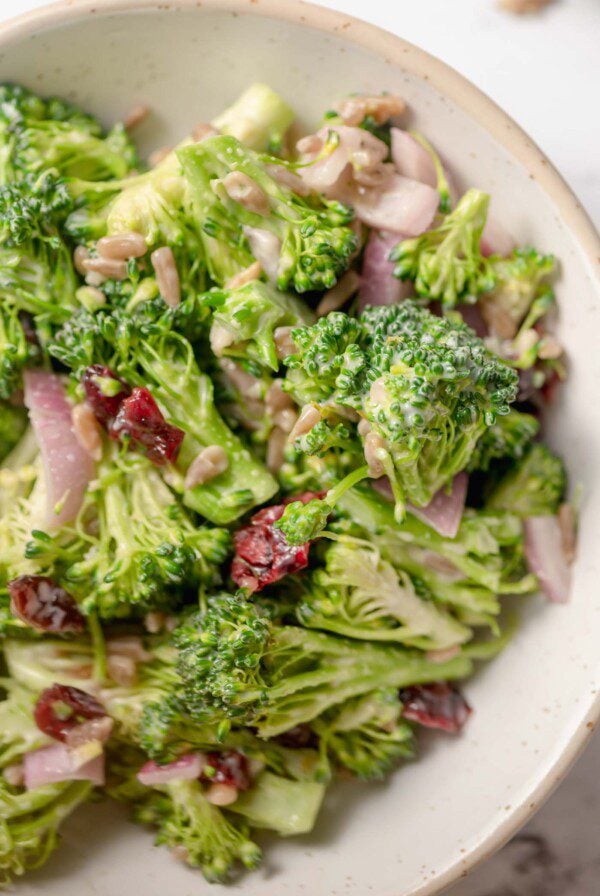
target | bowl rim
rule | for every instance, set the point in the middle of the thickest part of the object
(474, 102)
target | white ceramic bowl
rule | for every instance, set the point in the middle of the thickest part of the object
(535, 706)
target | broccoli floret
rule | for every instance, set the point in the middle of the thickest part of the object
(360, 595)
(150, 353)
(245, 320)
(37, 134)
(208, 840)
(366, 735)
(427, 386)
(446, 263)
(133, 546)
(259, 119)
(534, 486)
(237, 665)
(520, 280)
(16, 350)
(29, 820)
(315, 242)
(13, 423)
(509, 437)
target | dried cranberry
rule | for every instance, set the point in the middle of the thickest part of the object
(140, 419)
(61, 708)
(44, 605)
(262, 554)
(28, 325)
(437, 705)
(105, 406)
(550, 387)
(229, 767)
(297, 737)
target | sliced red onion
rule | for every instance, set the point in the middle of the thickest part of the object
(378, 286)
(411, 159)
(444, 511)
(186, 768)
(401, 205)
(68, 468)
(546, 558)
(495, 239)
(55, 763)
(266, 248)
(356, 147)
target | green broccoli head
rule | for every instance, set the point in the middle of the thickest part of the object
(314, 239)
(360, 595)
(367, 735)
(245, 320)
(238, 666)
(534, 486)
(508, 437)
(520, 279)
(38, 134)
(427, 386)
(446, 262)
(200, 831)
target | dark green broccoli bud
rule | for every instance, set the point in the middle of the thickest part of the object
(38, 134)
(446, 263)
(367, 735)
(148, 352)
(259, 119)
(145, 549)
(32, 208)
(534, 486)
(13, 423)
(360, 595)
(237, 665)
(427, 387)
(185, 819)
(520, 280)
(315, 241)
(508, 437)
(245, 320)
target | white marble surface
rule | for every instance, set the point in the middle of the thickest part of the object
(545, 71)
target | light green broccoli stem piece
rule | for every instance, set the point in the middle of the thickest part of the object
(186, 819)
(281, 805)
(446, 263)
(443, 186)
(259, 119)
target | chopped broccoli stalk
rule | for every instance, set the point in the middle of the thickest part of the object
(534, 486)
(238, 665)
(13, 423)
(360, 595)
(186, 820)
(259, 119)
(315, 240)
(488, 549)
(443, 187)
(16, 351)
(509, 437)
(279, 804)
(245, 320)
(38, 134)
(446, 263)
(366, 735)
(427, 386)
(134, 545)
(148, 352)
(520, 280)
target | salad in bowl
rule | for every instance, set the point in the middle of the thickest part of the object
(273, 464)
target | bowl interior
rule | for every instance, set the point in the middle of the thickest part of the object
(463, 796)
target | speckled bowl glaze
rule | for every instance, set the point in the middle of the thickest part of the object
(535, 706)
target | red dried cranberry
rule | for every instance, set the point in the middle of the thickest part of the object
(105, 407)
(28, 326)
(61, 708)
(262, 554)
(297, 737)
(229, 767)
(550, 387)
(44, 605)
(437, 705)
(140, 419)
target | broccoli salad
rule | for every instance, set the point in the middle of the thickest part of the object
(273, 478)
